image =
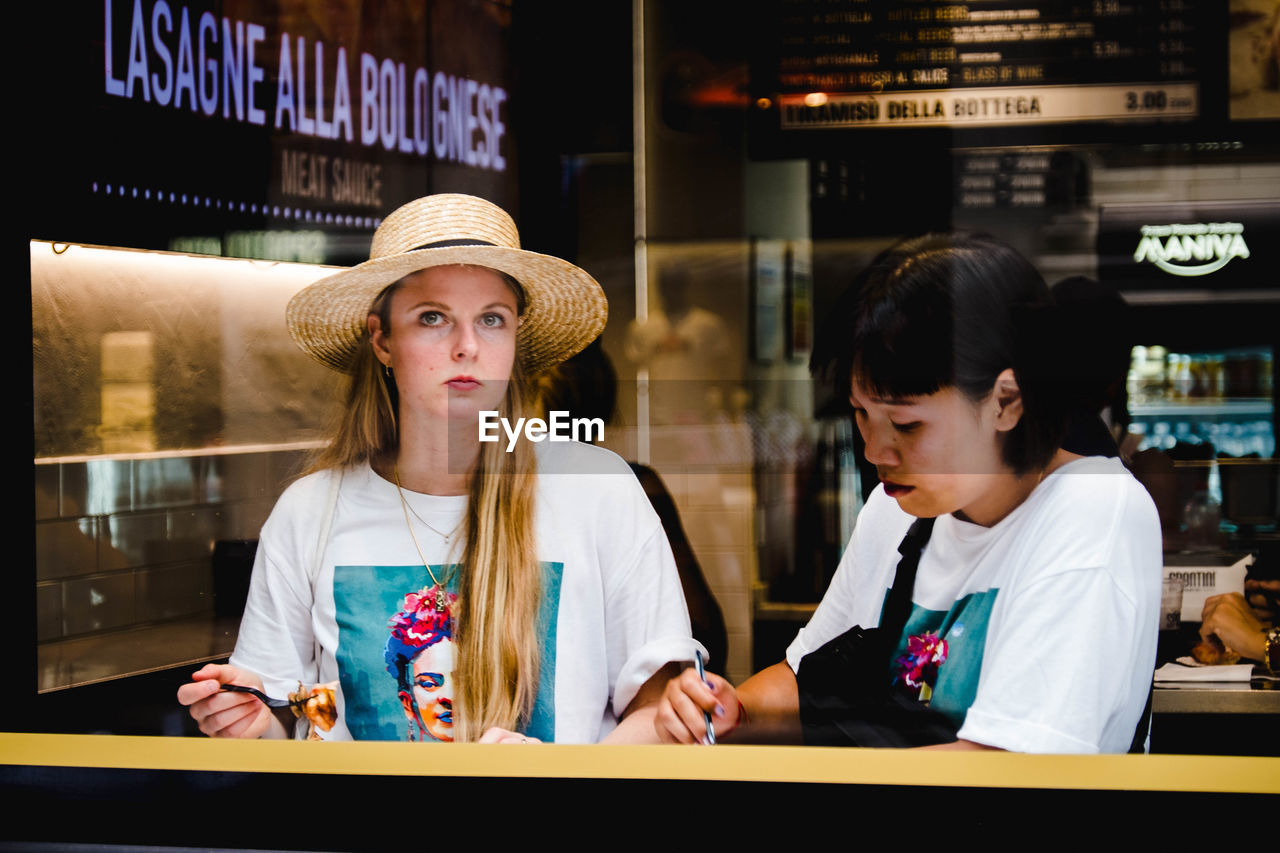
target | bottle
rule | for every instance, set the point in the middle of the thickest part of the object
(1134, 382)
(1155, 373)
(1139, 429)
(1235, 441)
(1216, 373)
(1181, 380)
(1160, 437)
(1197, 376)
(1176, 390)
(1201, 519)
(1267, 439)
(1182, 433)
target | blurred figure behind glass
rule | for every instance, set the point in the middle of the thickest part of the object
(586, 387)
(1099, 365)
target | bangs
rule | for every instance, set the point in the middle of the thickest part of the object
(903, 342)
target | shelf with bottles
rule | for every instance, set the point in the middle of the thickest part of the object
(1252, 437)
(1229, 382)
(1222, 399)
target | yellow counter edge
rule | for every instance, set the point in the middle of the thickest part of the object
(1223, 774)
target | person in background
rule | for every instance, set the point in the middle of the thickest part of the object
(685, 347)
(554, 574)
(1097, 363)
(586, 386)
(1245, 626)
(998, 592)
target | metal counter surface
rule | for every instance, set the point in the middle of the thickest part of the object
(1257, 697)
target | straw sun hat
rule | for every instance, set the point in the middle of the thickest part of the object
(565, 308)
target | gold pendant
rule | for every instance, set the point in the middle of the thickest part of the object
(442, 603)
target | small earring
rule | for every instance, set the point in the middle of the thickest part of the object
(386, 369)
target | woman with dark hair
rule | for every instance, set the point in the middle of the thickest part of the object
(998, 591)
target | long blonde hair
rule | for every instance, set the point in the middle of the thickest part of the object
(496, 630)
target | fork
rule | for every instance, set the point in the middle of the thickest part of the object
(266, 700)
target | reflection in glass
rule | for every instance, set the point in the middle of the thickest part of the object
(150, 351)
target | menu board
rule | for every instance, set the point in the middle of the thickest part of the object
(931, 63)
(1026, 178)
(277, 129)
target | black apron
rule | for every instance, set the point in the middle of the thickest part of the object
(847, 697)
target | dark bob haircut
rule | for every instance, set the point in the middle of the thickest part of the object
(949, 310)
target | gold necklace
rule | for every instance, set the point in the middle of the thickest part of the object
(441, 601)
(395, 472)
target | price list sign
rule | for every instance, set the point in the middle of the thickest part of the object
(857, 63)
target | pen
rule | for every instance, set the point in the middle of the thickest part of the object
(702, 674)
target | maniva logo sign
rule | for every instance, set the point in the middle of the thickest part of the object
(1196, 249)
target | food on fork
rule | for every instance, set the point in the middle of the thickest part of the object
(318, 704)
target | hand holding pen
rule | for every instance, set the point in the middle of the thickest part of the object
(697, 707)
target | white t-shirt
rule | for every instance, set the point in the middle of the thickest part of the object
(1050, 615)
(613, 611)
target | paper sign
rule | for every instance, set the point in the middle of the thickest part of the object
(1200, 582)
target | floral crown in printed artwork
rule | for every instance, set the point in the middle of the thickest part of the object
(420, 623)
(416, 626)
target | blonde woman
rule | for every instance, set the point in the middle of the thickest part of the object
(564, 605)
